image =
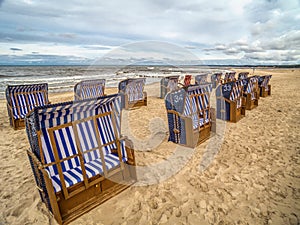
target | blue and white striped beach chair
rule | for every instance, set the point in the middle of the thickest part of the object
(190, 117)
(229, 76)
(21, 99)
(201, 79)
(78, 156)
(89, 89)
(243, 75)
(133, 90)
(265, 87)
(167, 84)
(229, 101)
(250, 100)
(216, 79)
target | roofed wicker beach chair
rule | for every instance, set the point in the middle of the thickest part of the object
(201, 79)
(250, 100)
(21, 99)
(265, 87)
(229, 101)
(133, 90)
(89, 89)
(254, 81)
(167, 84)
(187, 80)
(216, 79)
(243, 75)
(78, 156)
(229, 76)
(190, 117)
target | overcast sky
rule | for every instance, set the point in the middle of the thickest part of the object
(78, 32)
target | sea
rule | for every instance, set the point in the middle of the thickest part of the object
(64, 78)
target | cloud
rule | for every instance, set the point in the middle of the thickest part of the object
(213, 29)
(16, 49)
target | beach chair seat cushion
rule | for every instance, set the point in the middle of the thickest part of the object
(93, 168)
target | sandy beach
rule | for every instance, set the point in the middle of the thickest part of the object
(253, 177)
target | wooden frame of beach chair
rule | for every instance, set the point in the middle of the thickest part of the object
(229, 77)
(229, 101)
(190, 117)
(250, 99)
(21, 99)
(216, 79)
(243, 75)
(265, 87)
(167, 84)
(133, 91)
(89, 89)
(78, 156)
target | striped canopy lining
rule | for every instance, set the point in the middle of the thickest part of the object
(236, 93)
(25, 98)
(83, 138)
(134, 90)
(217, 78)
(229, 76)
(92, 89)
(266, 82)
(197, 106)
(201, 79)
(243, 76)
(172, 84)
(251, 87)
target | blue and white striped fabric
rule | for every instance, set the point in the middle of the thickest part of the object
(89, 89)
(266, 82)
(88, 140)
(201, 79)
(106, 130)
(250, 89)
(23, 98)
(66, 147)
(197, 106)
(236, 93)
(229, 76)
(172, 84)
(66, 143)
(243, 75)
(92, 91)
(134, 90)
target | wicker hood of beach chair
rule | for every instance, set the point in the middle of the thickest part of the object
(133, 91)
(229, 101)
(78, 156)
(265, 87)
(21, 99)
(190, 117)
(89, 89)
(168, 84)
